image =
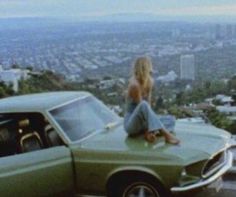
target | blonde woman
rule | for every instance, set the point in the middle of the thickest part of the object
(139, 117)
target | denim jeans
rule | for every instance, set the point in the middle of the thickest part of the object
(143, 118)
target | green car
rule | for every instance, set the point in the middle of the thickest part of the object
(70, 143)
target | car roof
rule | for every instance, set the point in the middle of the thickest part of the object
(38, 102)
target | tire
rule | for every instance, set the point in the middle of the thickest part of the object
(144, 186)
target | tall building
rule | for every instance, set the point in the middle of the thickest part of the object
(229, 31)
(187, 67)
(234, 31)
(218, 32)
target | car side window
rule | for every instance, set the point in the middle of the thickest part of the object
(26, 132)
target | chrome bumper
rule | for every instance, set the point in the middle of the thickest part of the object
(205, 182)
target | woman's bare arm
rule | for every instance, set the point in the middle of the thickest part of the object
(150, 93)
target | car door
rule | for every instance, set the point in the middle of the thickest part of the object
(38, 173)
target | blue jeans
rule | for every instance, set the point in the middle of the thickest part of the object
(143, 118)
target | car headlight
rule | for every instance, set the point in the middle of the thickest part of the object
(184, 172)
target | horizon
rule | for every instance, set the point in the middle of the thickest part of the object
(134, 17)
(89, 10)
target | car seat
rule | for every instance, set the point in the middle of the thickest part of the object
(29, 140)
(52, 138)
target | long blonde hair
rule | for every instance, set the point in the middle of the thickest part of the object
(141, 71)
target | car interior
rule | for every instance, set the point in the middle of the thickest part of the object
(25, 132)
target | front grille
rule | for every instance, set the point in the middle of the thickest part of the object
(214, 164)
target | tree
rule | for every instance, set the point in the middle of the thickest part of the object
(232, 83)
(5, 90)
(207, 87)
(107, 78)
(46, 81)
(219, 120)
(30, 68)
(179, 98)
(15, 66)
(159, 103)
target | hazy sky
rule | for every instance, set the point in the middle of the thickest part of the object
(83, 8)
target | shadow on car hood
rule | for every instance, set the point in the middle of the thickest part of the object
(198, 142)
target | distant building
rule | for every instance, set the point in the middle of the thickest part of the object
(171, 76)
(175, 33)
(224, 31)
(229, 31)
(187, 67)
(109, 83)
(224, 100)
(194, 120)
(234, 31)
(12, 76)
(218, 32)
(228, 110)
(188, 87)
(116, 108)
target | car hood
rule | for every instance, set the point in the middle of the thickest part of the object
(198, 142)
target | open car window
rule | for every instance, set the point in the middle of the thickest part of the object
(26, 132)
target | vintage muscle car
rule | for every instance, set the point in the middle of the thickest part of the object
(70, 143)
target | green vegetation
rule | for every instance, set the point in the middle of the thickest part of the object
(47, 81)
(196, 95)
(220, 120)
(179, 112)
(38, 82)
(163, 99)
(210, 89)
(5, 90)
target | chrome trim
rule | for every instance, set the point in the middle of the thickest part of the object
(67, 102)
(58, 128)
(54, 123)
(216, 168)
(94, 133)
(232, 142)
(205, 182)
(226, 147)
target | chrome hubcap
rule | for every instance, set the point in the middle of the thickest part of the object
(142, 191)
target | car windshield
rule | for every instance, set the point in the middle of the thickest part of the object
(82, 117)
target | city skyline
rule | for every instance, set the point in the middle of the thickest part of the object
(81, 9)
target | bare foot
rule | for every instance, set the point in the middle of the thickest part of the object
(169, 138)
(150, 137)
(172, 140)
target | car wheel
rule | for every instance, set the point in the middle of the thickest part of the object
(139, 187)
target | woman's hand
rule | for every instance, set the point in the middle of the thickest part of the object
(150, 136)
